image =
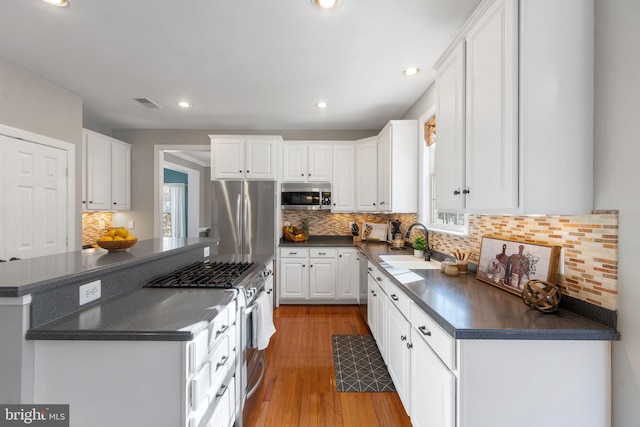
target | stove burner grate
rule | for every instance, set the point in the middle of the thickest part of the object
(204, 275)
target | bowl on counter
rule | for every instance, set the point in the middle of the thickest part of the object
(116, 245)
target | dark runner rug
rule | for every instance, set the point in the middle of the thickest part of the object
(358, 364)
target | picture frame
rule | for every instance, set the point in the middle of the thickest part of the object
(509, 264)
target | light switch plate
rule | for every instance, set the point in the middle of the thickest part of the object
(90, 292)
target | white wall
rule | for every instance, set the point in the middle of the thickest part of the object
(617, 176)
(33, 103)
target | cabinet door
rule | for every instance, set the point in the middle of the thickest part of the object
(259, 163)
(294, 163)
(432, 387)
(398, 361)
(343, 198)
(319, 163)
(294, 279)
(322, 278)
(382, 329)
(366, 175)
(120, 176)
(450, 156)
(491, 111)
(371, 304)
(227, 158)
(384, 170)
(98, 172)
(348, 275)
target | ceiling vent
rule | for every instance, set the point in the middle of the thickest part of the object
(146, 102)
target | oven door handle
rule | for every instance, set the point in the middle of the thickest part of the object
(257, 384)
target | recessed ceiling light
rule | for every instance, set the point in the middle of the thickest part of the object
(325, 4)
(411, 71)
(59, 3)
(322, 104)
(184, 104)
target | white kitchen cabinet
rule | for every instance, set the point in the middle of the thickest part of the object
(372, 305)
(432, 387)
(476, 109)
(397, 158)
(322, 273)
(367, 175)
(382, 327)
(197, 378)
(308, 275)
(398, 360)
(243, 157)
(343, 184)
(294, 274)
(347, 280)
(511, 91)
(107, 165)
(307, 162)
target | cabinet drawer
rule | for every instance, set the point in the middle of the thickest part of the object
(323, 253)
(398, 297)
(438, 339)
(294, 252)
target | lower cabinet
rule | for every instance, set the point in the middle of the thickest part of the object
(399, 352)
(372, 306)
(432, 388)
(143, 383)
(318, 275)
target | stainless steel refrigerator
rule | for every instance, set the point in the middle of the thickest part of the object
(243, 216)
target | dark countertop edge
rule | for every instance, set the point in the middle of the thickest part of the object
(22, 290)
(95, 335)
(604, 333)
(346, 241)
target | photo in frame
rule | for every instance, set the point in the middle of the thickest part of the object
(510, 264)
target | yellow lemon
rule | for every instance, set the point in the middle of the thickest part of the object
(112, 233)
(106, 238)
(130, 237)
(118, 238)
(122, 232)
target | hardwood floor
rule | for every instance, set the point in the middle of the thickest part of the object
(299, 387)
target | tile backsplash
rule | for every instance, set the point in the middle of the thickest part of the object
(92, 223)
(590, 243)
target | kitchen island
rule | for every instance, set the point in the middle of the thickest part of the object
(121, 330)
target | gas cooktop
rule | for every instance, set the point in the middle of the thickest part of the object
(204, 275)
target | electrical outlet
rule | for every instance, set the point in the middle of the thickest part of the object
(287, 223)
(131, 225)
(90, 292)
(207, 251)
(561, 265)
(101, 225)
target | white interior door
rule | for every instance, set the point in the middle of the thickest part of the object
(35, 198)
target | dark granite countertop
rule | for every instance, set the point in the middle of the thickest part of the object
(470, 309)
(30, 275)
(144, 314)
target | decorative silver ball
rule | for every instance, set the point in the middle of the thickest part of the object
(541, 295)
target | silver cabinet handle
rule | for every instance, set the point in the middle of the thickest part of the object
(409, 345)
(424, 331)
(221, 330)
(222, 390)
(379, 279)
(221, 362)
(403, 337)
(394, 297)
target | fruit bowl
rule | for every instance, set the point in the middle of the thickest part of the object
(116, 245)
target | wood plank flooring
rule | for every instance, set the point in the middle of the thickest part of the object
(299, 389)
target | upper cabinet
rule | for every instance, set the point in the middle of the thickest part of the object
(513, 92)
(307, 162)
(243, 157)
(106, 173)
(343, 184)
(398, 167)
(367, 175)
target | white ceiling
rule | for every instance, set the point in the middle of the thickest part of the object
(244, 64)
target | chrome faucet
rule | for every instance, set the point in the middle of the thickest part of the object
(427, 250)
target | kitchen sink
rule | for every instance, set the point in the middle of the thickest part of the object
(409, 262)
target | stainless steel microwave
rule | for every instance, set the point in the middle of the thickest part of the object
(303, 196)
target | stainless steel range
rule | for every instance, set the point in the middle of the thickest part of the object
(230, 275)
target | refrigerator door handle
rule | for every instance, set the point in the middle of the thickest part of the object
(238, 213)
(245, 226)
